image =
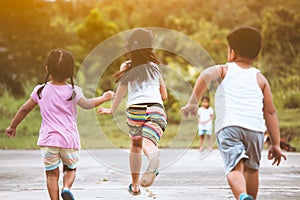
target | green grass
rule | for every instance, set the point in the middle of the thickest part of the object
(290, 126)
(111, 132)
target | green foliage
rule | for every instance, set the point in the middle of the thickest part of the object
(289, 126)
(31, 28)
(179, 134)
(27, 35)
(280, 54)
(27, 131)
(97, 28)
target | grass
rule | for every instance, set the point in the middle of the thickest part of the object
(289, 126)
(111, 132)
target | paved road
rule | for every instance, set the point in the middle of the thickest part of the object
(184, 174)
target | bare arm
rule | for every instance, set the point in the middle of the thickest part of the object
(94, 102)
(163, 89)
(20, 115)
(210, 74)
(120, 93)
(271, 118)
(210, 118)
(270, 113)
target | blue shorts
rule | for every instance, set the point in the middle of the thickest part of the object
(236, 143)
(204, 131)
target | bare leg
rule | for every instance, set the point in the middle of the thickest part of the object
(201, 142)
(150, 149)
(209, 138)
(69, 177)
(52, 183)
(135, 160)
(252, 182)
(237, 180)
(152, 153)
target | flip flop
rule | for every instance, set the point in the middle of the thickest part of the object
(150, 174)
(67, 195)
(133, 192)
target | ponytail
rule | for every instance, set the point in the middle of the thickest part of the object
(60, 65)
(39, 91)
(141, 54)
(73, 90)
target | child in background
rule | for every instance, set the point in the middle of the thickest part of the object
(205, 116)
(146, 117)
(58, 138)
(244, 111)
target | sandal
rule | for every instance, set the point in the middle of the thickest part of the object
(133, 192)
(150, 174)
(67, 195)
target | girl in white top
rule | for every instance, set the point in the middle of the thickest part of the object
(205, 116)
(146, 118)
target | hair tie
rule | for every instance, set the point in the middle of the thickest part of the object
(60, 57)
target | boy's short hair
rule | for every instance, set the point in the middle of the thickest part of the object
(245, 41)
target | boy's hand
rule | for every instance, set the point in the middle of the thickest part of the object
(104, 111)
(190, 109)
(10, 132)
(276, 154)
(108, 95)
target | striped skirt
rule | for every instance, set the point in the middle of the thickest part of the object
(146, 122)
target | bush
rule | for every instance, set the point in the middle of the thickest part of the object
(9, 105)
(292, 100)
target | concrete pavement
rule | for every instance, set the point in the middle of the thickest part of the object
(184, 174)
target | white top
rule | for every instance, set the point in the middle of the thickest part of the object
(147, 91)
(204, 115)
(239, 100)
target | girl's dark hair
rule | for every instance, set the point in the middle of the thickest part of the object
(205, 98)
(60, 64)
(141, 53)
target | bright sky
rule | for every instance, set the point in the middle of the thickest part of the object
(55, 0)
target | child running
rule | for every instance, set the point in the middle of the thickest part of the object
(58, 138)
(205, 116)
(243, 105)
(146, 118)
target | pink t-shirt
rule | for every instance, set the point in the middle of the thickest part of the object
(59, 127)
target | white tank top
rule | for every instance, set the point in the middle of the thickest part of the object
(239, 100)
(147, 91)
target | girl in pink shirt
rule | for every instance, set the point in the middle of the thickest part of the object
(58, 137)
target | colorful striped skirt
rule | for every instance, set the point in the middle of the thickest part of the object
(146, 121)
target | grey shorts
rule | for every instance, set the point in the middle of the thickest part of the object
(236, 143)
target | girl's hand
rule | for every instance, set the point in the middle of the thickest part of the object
(10, 132)
(189, 109)
(205, 122)
(104, 111)
(108, 95)
(276, 154)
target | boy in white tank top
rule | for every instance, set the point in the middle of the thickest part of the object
(244, 111)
